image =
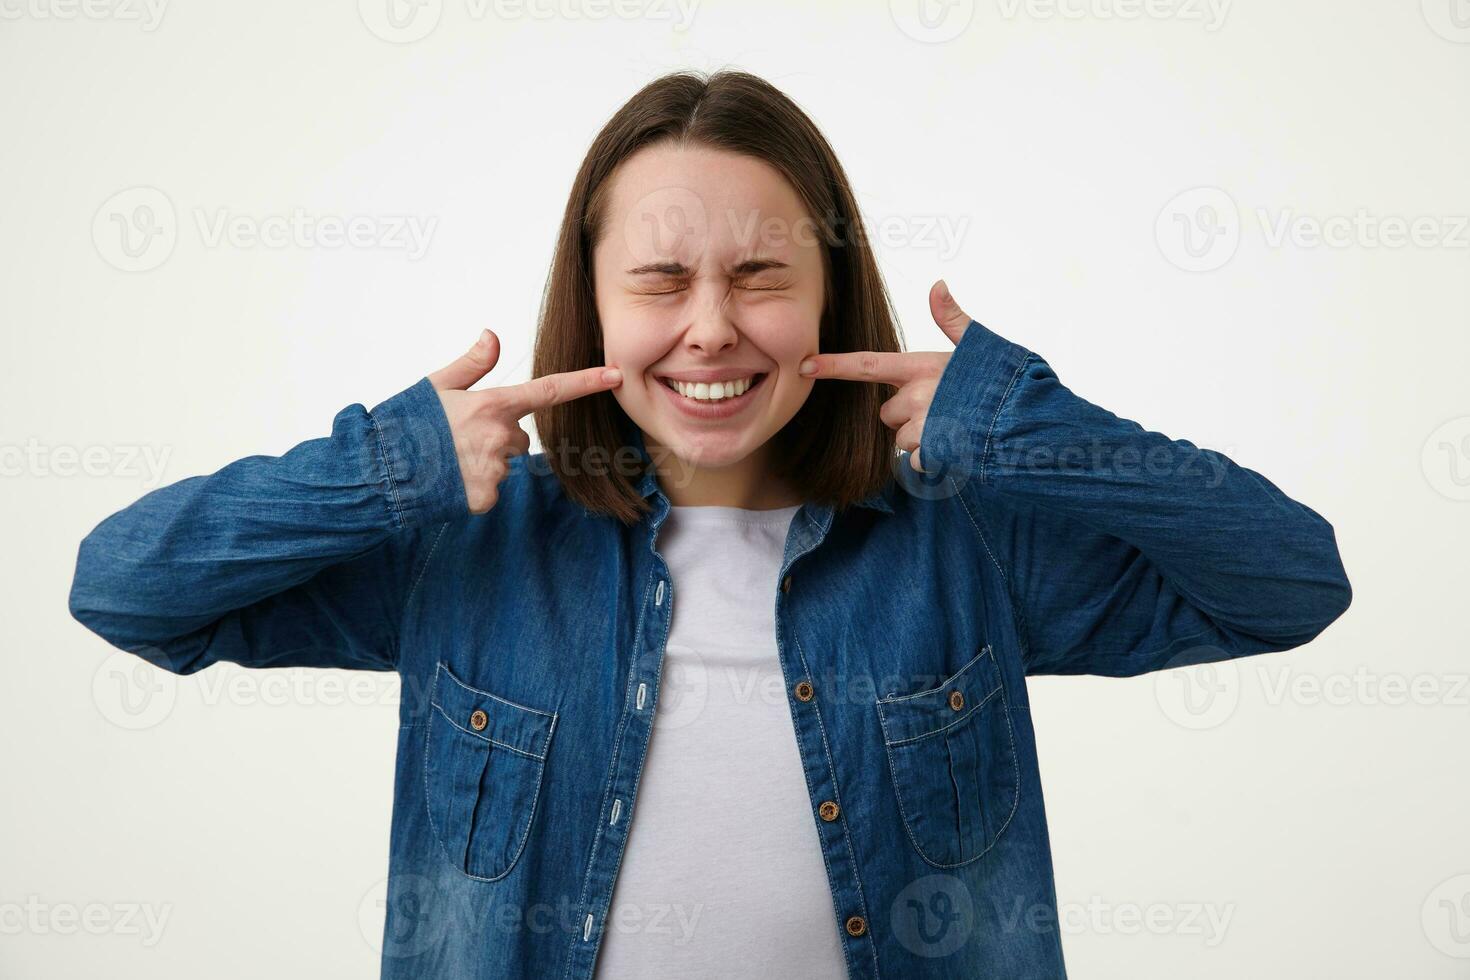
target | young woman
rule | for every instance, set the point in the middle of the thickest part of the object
(730, 678)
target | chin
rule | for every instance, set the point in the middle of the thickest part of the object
(708, 452)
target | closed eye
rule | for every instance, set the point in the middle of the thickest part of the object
(660, 287)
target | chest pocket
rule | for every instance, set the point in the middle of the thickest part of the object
(484, 757)
(952, 758)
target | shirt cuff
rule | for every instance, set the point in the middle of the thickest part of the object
(425, 485)
(980, 375)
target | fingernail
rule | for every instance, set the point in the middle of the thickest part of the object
(484, 338)
(807, 366)
(944, 290)
(612, 375)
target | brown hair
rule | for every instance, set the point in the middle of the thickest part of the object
(835, 449)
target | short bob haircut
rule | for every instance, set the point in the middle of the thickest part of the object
(835, 449)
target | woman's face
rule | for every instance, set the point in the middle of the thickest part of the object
(708, 278)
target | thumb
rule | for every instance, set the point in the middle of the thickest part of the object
(470, 367)
(947, 313)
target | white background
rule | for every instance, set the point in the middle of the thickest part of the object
(1316, 802)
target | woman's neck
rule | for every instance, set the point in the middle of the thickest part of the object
(748, 483)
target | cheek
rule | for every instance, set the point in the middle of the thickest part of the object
(784, 332)
(630, 341)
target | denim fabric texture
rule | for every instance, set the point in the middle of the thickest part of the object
(1049, 536)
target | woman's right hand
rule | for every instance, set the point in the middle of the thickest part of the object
(486, 423)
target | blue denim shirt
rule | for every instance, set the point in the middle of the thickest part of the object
(1049, 536)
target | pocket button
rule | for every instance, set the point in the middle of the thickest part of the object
(478, 720)
(956, 700)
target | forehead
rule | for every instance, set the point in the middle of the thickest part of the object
(685, 203)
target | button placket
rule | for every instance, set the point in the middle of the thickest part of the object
(640, 692)
(842, 878)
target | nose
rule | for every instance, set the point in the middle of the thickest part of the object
(710, 329)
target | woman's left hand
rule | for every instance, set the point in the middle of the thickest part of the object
(915, 373)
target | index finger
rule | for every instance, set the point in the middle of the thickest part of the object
(888, 367)
(553, 389)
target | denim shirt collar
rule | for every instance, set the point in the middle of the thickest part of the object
(820, 513)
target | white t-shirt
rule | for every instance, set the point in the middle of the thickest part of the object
(722, 875)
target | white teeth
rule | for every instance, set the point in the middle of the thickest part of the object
(712, 391)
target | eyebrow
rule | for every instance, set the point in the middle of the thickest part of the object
(746, 268)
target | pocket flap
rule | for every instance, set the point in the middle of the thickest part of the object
(495, 719)
(909, 717)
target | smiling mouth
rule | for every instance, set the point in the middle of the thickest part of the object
(713, 392)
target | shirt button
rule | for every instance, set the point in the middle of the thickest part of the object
(956, 700)
(804, 690)
(786, 584)
(829, 811)
(856, 925)
(478, 720)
